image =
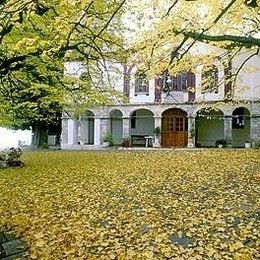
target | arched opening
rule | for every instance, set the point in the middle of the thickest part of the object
(240, 126)
(86, 130)
(141, 126)
(174, 128)
(116, 125)
(209, 125)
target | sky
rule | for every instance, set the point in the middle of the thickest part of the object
(9, 138)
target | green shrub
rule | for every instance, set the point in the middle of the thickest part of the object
(109, 139)
(10, 158)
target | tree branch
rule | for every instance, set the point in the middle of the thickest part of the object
(247, 41)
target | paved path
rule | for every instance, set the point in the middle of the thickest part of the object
(11, 247)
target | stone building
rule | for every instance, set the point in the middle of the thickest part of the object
(187, 113)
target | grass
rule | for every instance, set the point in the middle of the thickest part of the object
(135, 205)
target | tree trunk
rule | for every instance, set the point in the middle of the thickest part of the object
(40, 135)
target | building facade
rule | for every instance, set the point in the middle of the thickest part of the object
(189, 109)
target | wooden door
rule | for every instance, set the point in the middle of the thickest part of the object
(175, 130)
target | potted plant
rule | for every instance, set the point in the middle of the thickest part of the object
(248, 142)
(221, 143)
(126, 141)
(108, 140)
(157, 133)
(191, 135)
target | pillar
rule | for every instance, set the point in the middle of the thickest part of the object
(255, 127)
(64, 133)
(157, 123)
(228, 127)
(83, 131)
(126, 127)
(72, 132)
(104, 126)
(97, 128)
(191, 132)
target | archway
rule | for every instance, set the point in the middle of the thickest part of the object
(116, 124)
(209, 126)
(174, 128)
(240, 126)
(87, 128)
(141, 125)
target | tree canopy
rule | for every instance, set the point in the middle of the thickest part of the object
(37, 37)
(177, 26)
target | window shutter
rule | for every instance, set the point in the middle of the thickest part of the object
(126, 83)
(158, 89)
(147, 86)
(179, 82)
(137, 84)
(191, 82)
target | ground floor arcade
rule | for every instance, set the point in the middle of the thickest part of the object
(186, 125)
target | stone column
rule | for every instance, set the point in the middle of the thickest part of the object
(191, 132)
(126, 127)
(105, 127)
(97, 131)
(72, 132)
(64, 133)
(255, 127)
(157, 123)
(228, 127)
(83, 131)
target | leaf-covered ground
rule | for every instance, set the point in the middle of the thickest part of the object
(135, 205)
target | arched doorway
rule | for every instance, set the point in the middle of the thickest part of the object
(116, 124)
(87, 128)
(174, 128)
(209, 126)
(141, 126)
(240, 126)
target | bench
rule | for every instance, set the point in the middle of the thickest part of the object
(138, 140)
(141, 140)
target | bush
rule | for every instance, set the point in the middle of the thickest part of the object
(157, 131)
(109, 139)
(11, 158)
(256, 143)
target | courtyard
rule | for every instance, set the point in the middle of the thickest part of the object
(202, 204)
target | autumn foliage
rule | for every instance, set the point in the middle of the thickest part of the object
(135, 205)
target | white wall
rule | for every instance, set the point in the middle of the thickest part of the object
(141, 98)
(175, 96)
(73, 68)
(248, 82)
(9, 138)
(247, 87)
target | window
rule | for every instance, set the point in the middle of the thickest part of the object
(179, 82)
(184, 81)
(210, 79)
(133, 120)
(141, 84)
(238, 121)
(174, 84)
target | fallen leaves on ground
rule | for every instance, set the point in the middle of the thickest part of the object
(135, 205)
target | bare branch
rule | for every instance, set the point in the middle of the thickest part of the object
(170, 8)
